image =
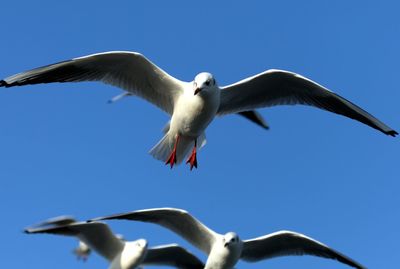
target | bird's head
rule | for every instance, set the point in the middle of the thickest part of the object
(82, 252)
(204, 82)
(141, 243)
(231, 239)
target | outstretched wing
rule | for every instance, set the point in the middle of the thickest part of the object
(130, 71)
(277, 87)
(172, 255)
(96, 235)
(177, 220)
(286, 243)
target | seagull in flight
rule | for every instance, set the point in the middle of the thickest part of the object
(225, 250)
(193, 105)
(120, 253)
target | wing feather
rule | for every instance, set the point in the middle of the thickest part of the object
(172, 255)
(286, 243)
(130, 71)
(177, 220)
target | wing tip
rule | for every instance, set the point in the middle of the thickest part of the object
(28, 231)
(392, 133)
(3, 83)
(350, 262)
(265, 126)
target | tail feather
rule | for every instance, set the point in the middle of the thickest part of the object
(162, 150)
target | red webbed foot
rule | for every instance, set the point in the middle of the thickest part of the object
(192, 160)
(172, 157)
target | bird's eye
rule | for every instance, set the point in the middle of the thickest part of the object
(208, 83)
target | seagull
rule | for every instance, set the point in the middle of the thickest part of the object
(224, 251)
(193, 105)
(122, 254)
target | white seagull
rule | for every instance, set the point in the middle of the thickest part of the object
(224, 251)
(122, 254)
(193, 105)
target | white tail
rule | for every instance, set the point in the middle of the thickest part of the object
(164, 147)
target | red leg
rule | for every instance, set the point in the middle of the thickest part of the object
(193, 159)
(172, 157)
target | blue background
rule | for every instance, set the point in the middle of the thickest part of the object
(65, 151)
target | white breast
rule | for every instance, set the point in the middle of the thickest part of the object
(222, 257)
(130, 257)
(193, 113)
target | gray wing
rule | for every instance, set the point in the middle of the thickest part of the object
(172, 255)
(286, 243)
(130, 71)
(96, 235)
(277, 87)
(177, 220)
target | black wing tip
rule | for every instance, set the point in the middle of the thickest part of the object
(392, 133)
(255, 117)
(354, 264)
(263, 125)
(266, 127)
(27, 231)
(3, 83)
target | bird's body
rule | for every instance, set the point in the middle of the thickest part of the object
(225, 250)
(193, 105)
(122, 254)
(221, 257)
(193, 113)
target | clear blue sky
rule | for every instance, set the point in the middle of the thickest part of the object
(65, 151)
